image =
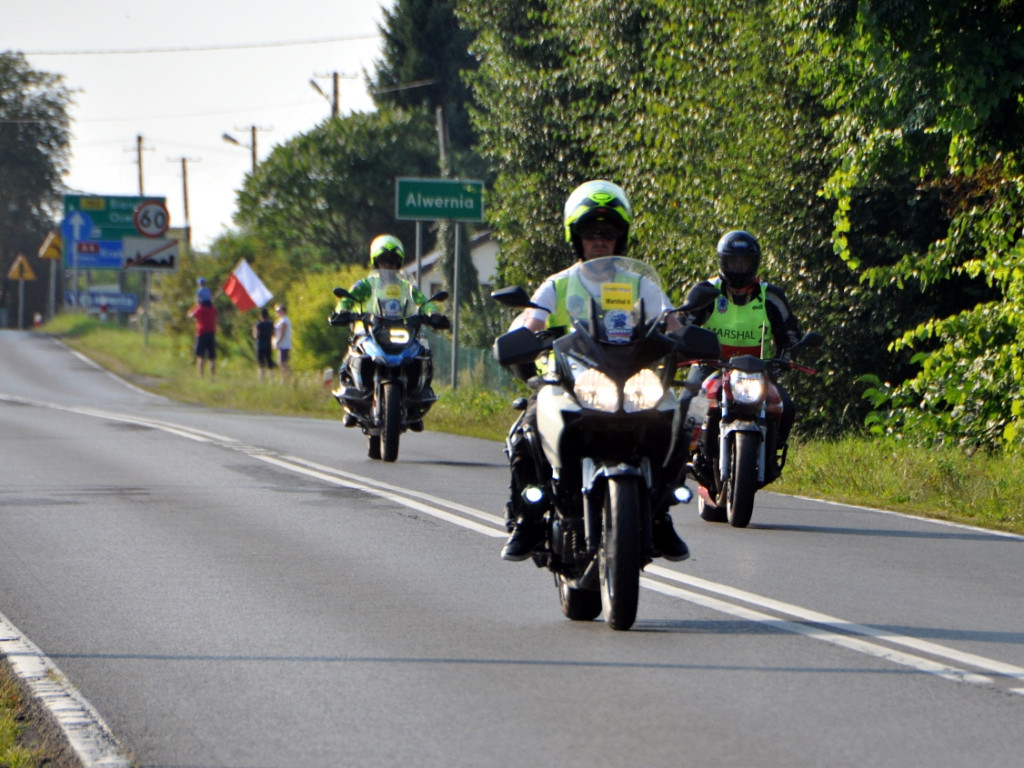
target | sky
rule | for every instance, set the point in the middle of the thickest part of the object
(182, 74)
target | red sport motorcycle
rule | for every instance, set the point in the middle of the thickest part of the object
(733, 423)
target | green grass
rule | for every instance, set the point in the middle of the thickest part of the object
(941, 483)
(16, 749)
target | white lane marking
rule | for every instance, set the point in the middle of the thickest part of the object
(818, 633)
(923, 646)
(192, 433)
(929, 520)
(86, 732)
(409, 498)
(392, 495)
(111, 374)
(471, 511)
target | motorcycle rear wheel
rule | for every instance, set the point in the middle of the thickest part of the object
(578, 604)
(392, 425)
(742, 478)
(620, 552)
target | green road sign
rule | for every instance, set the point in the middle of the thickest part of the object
(95, 228)
(112, 217)
(439, 199)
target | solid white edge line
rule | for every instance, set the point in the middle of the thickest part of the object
(87, 733)
(123, 382)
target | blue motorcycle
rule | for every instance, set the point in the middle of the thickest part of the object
(385, 378)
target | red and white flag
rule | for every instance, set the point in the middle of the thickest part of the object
(245, 288)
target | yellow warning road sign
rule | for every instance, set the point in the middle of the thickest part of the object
(21, 269)
(52, 247)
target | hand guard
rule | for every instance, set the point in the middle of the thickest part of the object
(439, 321)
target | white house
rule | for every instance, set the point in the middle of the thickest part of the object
(483, 249)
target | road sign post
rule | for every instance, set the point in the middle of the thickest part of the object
(21, 271)
(442, 200)
(52, 249)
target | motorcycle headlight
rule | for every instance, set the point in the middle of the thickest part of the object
(643, 390)
(593, 388)
(746, 388)
(398, 335)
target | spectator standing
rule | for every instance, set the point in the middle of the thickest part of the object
(202, 291)
(205, 316)
(263, 332)
(283, 340)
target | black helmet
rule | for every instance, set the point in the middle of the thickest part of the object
(739, 256)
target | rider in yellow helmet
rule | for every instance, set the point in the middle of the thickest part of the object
(597, 218)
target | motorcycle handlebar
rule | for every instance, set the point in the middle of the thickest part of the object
(346, 317)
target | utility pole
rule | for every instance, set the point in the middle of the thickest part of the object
(333, 101)
(250, 146)
(138, 158)
(184, 194)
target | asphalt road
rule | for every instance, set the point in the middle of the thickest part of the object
(237, 590)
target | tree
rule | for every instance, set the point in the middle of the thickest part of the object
(926, 133)
(426, 52)
(34, 151)
(323, 196)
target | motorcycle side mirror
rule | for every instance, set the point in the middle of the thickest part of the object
(341, 293)
(699, 297)
(514, 296)
(439, 296)
(812, 340)
(698, 342)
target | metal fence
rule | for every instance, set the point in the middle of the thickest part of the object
(477, 367)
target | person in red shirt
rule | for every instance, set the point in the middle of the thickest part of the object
(205, 316)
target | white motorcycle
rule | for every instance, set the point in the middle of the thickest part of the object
(604, 417)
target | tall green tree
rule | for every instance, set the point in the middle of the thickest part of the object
(927, 127)
(34, 153)
(425, 54)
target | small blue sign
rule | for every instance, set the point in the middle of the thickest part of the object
(115, 302)
(76, 226)
(95, 254)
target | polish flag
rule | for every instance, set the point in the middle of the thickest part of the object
(245, 288)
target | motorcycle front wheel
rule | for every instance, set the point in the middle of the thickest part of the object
(391, 427)
(577, 604)
(742, 478)
(620, 552)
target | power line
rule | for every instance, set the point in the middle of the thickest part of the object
(192, 49)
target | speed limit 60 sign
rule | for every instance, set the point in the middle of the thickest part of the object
(151, 218)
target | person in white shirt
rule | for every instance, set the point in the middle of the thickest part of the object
(283, 340)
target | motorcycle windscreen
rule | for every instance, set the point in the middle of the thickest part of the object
(611, 294)
(391, 294)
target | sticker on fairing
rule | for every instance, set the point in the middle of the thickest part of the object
(618, 326)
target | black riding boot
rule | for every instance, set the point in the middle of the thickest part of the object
(527, 532)
(666, 540)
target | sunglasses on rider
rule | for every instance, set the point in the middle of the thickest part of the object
(600, 232)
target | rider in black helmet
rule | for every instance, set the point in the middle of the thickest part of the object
(748, 316)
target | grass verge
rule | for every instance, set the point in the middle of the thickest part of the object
(29, 738)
